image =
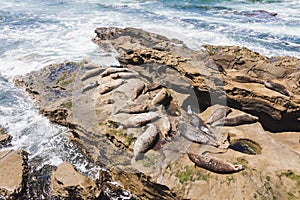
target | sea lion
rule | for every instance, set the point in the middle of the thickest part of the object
(112, 70)
(160, 97)
(141, 119)
(236, 120)
(276, 87)
(192, 134)
(110, 86)
(214, 164)
(90, 86)
(136, 108)
(198, 123)
(164, 125)
(218, 114)
(90, 66)
(145, 141)
(152, 87)
(92, 73)
(138, 91)
(123, 75)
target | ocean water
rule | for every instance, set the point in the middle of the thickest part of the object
(35, 33)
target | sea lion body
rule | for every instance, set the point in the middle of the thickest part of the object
(164, 125)
(90, 66)
(198, 123)
(92, 73)
(276, 87)
(160, 97)
(141, 119)
(136, 108)
(123, 75)
(111, 86)
(145, 141)
(112, 70)
(138, 91)
(152, 87)
(90, 86)
(218, 114)
(214, 164)
(236, 120)
(192, 134)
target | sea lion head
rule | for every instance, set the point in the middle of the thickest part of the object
(238, 168)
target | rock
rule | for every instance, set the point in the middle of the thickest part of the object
(219, 75)
(239, 65)
(4, 137)
(66, 182)
(13, 174)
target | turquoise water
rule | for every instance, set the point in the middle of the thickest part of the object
(35, 33)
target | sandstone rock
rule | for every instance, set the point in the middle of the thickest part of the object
(197, 78)
(237, 65)
(66, 182)
(13, 174)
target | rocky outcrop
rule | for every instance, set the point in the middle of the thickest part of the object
(4, 137)
(241, 81)
(66, 182)
(13, 174)
(108, 111)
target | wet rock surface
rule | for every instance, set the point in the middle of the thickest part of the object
(133, 119)
(13, 174)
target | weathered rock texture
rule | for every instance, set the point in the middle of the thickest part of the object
(242, 78)
(106, 114)
(66, 182)
(13, 174)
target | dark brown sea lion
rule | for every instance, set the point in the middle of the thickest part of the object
(214, 164)
(276, 87)
(236, 120)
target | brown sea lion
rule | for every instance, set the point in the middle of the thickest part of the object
(214, 164)
(138, 91)
(236, 120)
(276, 87)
